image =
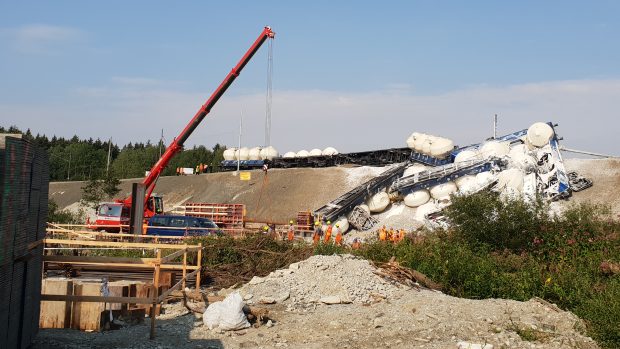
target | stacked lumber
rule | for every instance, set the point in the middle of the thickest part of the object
(94, 316)
(24, 176)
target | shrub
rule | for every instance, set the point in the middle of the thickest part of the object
(55, 215)
(486, 219)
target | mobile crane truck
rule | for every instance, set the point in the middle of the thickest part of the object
(111, 216)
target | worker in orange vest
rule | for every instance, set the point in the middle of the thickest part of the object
(316, 237)
(338, 235)
(291, 231)
(328, 232)
(356, 244)
(382, 234)
(402, 235)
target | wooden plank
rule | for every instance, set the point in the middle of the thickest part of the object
(96, 299)
(117, 290)
(56, 314)
(87, 315)
(174, 255)
(175, 287)
(199, 261)
(119, 244)
(137, 266)
(112, 235)
(97, 259)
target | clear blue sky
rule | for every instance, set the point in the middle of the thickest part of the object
(69, 60)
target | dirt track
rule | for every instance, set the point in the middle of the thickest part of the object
(606, 176)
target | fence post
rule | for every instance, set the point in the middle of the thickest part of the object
(184, 267)
(155, 292)
(199, 267)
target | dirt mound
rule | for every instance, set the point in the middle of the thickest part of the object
(605, 174)
(276, 198)
(320, 279)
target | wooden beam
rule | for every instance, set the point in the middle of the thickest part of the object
(174, 255)
(119, 244)
(102, 299)
(97, 259)
(164, 267)
(176, 286)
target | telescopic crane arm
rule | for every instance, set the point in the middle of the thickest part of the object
(177, 144)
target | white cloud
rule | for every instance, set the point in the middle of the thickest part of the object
(587, 111)
(43, 38)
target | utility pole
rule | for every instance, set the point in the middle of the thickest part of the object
(239, 149)
(495, 126)
(161, 142)
(69, 166)
(107, 167)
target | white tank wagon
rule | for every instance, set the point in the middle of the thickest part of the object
(315, 152)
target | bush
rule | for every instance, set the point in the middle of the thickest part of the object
(55, 215)
(486, 219)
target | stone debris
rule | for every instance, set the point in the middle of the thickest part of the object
(321, 279)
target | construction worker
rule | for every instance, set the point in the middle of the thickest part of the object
(395, 236)
(382, 234)
(265, 230)
(401, 237)
(390, 234)
(338, 235)
(328, 232)
(291, 230)
(356, 244)
(316, 237)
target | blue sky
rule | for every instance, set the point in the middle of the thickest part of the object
(352, 74)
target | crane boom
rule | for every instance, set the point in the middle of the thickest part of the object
(177, 144)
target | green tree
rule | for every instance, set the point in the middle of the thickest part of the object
(111, 186)
(92, 193)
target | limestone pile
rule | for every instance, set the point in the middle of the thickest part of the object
(320, 279)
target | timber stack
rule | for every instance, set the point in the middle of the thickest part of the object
(24, 180)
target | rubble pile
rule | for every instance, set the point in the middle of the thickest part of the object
(320, 279)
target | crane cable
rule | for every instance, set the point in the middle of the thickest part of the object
(269, 93)
(268, 102)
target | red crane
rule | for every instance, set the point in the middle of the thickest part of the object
(117, 213)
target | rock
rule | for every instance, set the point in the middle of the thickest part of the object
(283, 296)
(377, 323)
(269, 324)
(294, 266)
(323, 267)
(256, 280)
(267, 300)
(330, 300)
(248, 296)
(467, 345)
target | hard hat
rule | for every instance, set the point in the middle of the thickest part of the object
(337, 225)
(265, 228)
(316, 223)
(291, 221)
(329, 222)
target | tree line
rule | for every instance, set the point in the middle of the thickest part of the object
(77, 159)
